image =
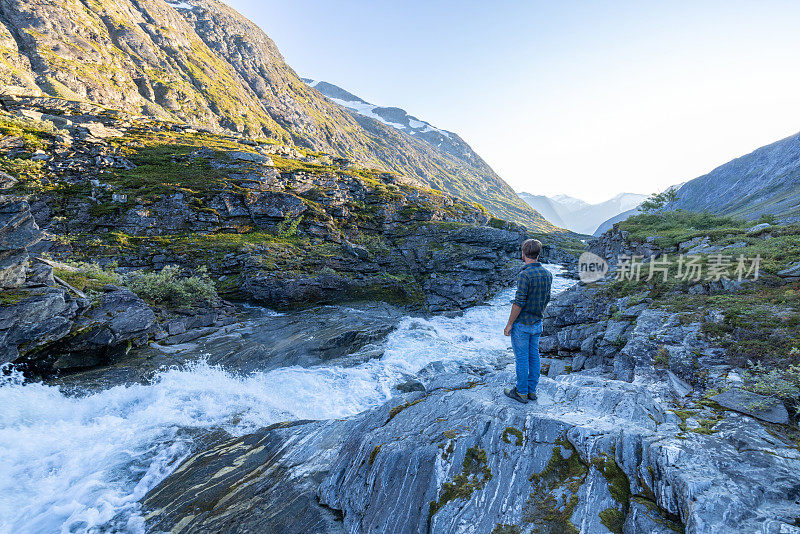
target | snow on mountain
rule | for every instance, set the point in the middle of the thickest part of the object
(391, 116)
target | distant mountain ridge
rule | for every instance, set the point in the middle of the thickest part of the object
(200, 62)
(578, 215)
(764, 182)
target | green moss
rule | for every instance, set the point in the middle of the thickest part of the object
(618, 483)
(502, 528)
(374, 454)
(87, 277)
(511, 431)
(613, 520)
(9, 297)
(400, 407)
(475, 473)
(659, 515)
(554, 497)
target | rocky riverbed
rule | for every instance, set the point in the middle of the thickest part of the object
(82, 451)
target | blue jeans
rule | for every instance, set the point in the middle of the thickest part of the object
(525, 341)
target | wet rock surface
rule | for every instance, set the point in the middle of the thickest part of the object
(600, 454)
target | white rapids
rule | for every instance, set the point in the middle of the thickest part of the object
(81, 464)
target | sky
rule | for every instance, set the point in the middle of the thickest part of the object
(588, 99)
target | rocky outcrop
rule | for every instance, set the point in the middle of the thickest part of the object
(594, 455)
(278, 226)
(18, 231)
(203, 64)
(44, 326)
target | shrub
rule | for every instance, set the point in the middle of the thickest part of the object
(783, 383)
(169, 287)
(88, 277)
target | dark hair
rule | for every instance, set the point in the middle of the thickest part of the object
(531, 248)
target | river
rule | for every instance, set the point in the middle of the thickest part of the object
(80, 462)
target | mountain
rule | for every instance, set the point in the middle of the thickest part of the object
(399, 119)
(202, 63)
(764, 182)
(578, 215)
(570, 203)
(606, 225)
(547, 206)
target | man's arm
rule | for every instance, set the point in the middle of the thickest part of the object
(515, 310)
(519, 301)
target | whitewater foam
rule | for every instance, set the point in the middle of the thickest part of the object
(82, 463)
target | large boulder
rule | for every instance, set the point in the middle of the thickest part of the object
(18, 231)
(119, 322)
(38, 317)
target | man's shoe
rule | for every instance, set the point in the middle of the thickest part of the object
(512, 393)
(531, 396)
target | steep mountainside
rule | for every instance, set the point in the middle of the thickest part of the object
(764, 182)
(400, 119)
(203, 63)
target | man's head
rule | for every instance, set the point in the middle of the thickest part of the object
(531, 249)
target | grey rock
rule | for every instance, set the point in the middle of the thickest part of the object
(791, 271)
(381, 470)
(757, 228)
(747, 402)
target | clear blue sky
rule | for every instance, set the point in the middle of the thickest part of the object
(584, 98)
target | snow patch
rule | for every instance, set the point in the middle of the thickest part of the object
(180, 5)
(367, 110)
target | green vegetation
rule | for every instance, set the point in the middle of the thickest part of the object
(613, 520)
(511, 431)
(400, 407)
(475, 473)
(782, 383)
(374, 454)
(658, 200)
(9, 297)
(758, 324)
(673, 227)
(661, 359)
(554, 498)
(35, 134)
(88, 277)
(503, 528)
(618, 483)
(170, 288)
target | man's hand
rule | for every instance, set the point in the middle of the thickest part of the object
(507, 331)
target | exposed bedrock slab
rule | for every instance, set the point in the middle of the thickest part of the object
(593, 454)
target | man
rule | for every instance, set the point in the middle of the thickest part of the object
(525, 323)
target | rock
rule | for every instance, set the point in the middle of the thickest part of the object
(121, 320)
(18, 230)
(41, 316)
(557, 367)
(759, 406)
(7, 181)
(251, 157)
(757, 228)
(679, 387)
(463, 458)
(645, 519)
(792, 271)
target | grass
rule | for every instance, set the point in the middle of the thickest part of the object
(87, 277)
(673, 227)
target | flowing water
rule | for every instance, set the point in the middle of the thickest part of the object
(81, 463)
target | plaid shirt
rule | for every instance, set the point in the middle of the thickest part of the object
(533, 293)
